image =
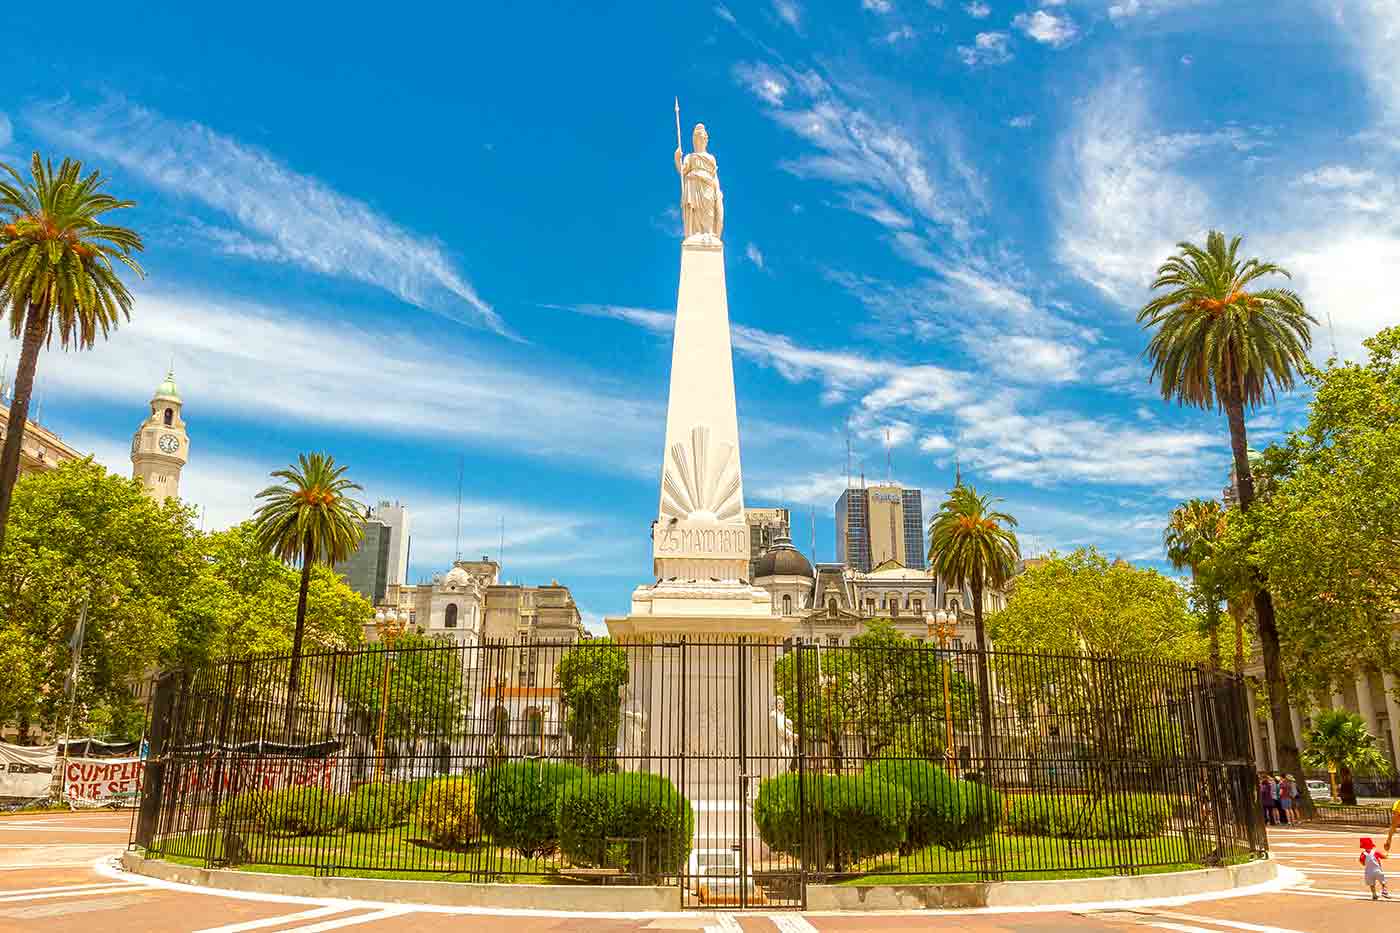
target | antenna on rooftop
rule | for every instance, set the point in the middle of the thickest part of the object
(502, 551)
(812, 525)
(848, 452)
(458, 544)
(1332, 333)
(889, 463)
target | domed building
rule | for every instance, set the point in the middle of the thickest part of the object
(786, 575)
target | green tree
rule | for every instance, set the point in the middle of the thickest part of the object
(81, 535)
(1082, 603)
(1220, 345)
(57, 278)
(884, 689)
(972, 545)
(424, 696)
(589, 677)
(309, 519)
(1192, 533)
(1327, 534)
(1340, 743)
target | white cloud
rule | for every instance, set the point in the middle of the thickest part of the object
(282, 215)
(723, 13)
(1187, 60)
(789, 12)
(935, 443)
(1056, 31)
(252, 362)
(989, 48)
(904, 33)
(1022, 121)
(1373, 26)
(1339, 177)
(1346, 274)
(1033, 360)
(1129, 9)
(764, 82)
(977, 10)
(877, 6)
(814, 489)
(754, 254)
(874, 158)
(1121, 203)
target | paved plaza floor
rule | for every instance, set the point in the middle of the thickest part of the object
(50, 881)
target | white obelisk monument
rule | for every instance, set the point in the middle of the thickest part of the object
(705, 700)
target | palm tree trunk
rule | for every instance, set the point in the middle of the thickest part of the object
(984, 685)
(30, 345)
(1286, 747)
(294, 676)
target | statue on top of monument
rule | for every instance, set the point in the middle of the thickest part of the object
(702, 203)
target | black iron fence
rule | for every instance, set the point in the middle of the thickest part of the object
(740, 771)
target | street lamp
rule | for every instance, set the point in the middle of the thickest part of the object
(944, 626)
(390, 625)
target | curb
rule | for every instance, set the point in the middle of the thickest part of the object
(830, 897)
(625, 898)
(633, 899)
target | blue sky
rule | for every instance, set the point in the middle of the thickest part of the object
(417, 238)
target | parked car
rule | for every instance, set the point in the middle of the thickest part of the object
(714, 876)
(1319, 791)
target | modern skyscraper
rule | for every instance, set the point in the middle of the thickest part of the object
(879, 523)
(765, 527)
(395, 516)
(367, 570)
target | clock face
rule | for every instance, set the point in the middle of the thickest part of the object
(169, 443)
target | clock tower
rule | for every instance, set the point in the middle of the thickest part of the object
(160, 447)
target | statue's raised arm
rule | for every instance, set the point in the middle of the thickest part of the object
(702, 202)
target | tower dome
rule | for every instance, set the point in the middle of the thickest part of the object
(782, 560)
(167, 388)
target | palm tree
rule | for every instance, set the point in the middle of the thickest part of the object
(57, 278)
(971, 545)
(1190, 537)
(1219, 345)
(308, 519)
(1340, 743)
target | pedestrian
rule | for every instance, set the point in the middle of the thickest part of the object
(1266, 798)
(1371, 864)
(1283, 799)
(1287, 793)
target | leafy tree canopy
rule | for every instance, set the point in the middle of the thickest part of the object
(1081, 602)
(1326, 532)
(424, 686)
(589, 677)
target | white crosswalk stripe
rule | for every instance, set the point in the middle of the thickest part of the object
(350, 921)
(277, 921)
(48, 895)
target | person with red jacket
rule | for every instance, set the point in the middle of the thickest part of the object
(1371, 863)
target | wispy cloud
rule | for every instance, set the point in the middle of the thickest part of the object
(989, 48)
(1022, 121)
(877, 6)
(281, 215)
(977, 10)
(754, 254)
(1123, 10)
(7, 130)
(1121, 202)
(789, 12)
(764, 82)
(243, 360)
(1046, 27)
(1373, 27)
(723, 13)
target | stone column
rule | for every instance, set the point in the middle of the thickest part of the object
(1392, 710)
(1256, 739)
(1364, 704)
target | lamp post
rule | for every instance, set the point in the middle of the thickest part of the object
(390, 626)
(944, 626)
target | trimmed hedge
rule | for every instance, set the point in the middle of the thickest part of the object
(446, 812)
(516, 803)
(1114, 816)
(291, 811)
(943, 810)
(626, 805)
(850, 818)
(377, 806)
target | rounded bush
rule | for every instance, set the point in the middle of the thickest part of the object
(1113, 816)
(592, 808)
(849, 818)
(377, 806)
(302, 811)
(943, 810)
(516, 803)
(246, 808)
(446, 812)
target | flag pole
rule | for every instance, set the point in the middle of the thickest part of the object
(76, 644)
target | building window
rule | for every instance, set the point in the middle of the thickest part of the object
(534, 720)
(953, 606)
(833, 640)
(501, 720)
(870, 606)
(169, 417)
(787, 605)
(918, 605)
(450, 619)
(894, 608)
